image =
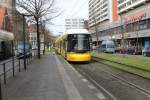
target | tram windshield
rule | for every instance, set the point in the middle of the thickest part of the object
(79, 42)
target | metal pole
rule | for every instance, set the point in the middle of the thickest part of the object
(44, 39)
(137, 38)
(0, 91)
(19, 65)
(96, 30)
(13, 62)
(4, 71)
(24, 40)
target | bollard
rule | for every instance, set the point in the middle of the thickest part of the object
(4, 70)
(19, 65)
(0, 91)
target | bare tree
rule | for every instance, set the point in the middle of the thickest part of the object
(40, 10)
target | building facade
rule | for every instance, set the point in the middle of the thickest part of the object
(33, 37)
(75, 23)
(133, 24)
(102, 10)
(101, 13)
(14, 18)
(8, 6)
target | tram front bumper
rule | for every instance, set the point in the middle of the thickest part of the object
(79, 57)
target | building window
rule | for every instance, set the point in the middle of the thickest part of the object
(135, 26)
(142, 25)
(129, 28)
(148, 23)
(121, 1)
(129, 3)
(134, 1)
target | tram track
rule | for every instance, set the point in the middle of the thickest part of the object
(95, 78)
(98, 85)
(134, 67)
(123, 80)
(99, 60)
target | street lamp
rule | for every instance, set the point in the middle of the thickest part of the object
(96, 30)
(137, 38)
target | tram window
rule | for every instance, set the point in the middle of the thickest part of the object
(79, 42)
(104, 46)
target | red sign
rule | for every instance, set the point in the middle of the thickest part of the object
(135, 18)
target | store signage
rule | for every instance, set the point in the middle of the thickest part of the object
(135, 18)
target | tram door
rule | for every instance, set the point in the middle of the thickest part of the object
(65, 47)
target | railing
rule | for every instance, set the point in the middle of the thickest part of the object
(11, 65)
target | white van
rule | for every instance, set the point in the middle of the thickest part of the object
(107, 46)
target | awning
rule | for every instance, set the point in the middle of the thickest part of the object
(6, 36)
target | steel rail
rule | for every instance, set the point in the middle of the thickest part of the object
(125, 81)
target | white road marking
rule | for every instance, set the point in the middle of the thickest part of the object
(71, 90)
(80, 75)
(84, 80)
(100, 96)
(114, 98)
(91, 86)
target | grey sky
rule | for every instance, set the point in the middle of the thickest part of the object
(72, 9)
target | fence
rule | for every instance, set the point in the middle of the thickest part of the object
(12, 65)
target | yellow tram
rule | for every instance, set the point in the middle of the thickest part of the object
(74, 45)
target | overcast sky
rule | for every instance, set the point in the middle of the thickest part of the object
(71, 9)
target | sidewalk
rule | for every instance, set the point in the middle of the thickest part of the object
(50, 78)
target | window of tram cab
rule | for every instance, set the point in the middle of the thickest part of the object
(78, 43)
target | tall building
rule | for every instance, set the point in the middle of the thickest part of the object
(126, 5)
(102, 10)
(10, 5)
(135, 17)
(101, 13)
(132, 23)
(75, 23)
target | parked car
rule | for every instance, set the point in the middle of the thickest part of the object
(119, 50)
(107, 46)
(20, 50)
(130, 50)
(146, 51)
(138, 51)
